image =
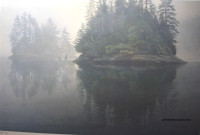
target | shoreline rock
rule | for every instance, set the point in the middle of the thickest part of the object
(137, 60)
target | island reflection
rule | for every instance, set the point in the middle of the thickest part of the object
(125, 98)
(85, 99)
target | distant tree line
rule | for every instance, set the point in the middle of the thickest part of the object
(128, 27)
(28, 39)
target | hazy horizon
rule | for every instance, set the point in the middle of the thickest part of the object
(68, 14)
(71, 14)
(127, 79)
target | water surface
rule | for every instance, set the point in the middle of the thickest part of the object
(62, 97)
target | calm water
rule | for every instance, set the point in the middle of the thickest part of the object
(62, 97)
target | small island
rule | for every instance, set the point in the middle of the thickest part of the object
(32, 41)
(129, 32)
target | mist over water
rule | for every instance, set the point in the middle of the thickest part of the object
(188, 46)
(61, 97)
(45, 92)
(72, 14)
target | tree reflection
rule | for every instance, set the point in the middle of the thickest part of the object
(124, 98)
(101, 100)
(27, 77)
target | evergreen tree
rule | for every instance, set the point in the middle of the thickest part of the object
(16, 34)
(32, 31)
(49, 33)
(64, 42)
(91, 11)
(24, 23)
(24, 35)
(168, 23)
(120, 6)
(28, 40)
(80, 40)
(152, 9)
(128, 27)
(35, 32)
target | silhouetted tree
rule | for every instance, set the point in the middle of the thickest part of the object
(29, 40)
(128, 27)
(16, 35)
(168, 23)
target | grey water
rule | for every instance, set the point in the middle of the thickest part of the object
(62, 97)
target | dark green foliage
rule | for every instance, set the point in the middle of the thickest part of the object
(121, 48)
(131, 27)
(168, 24)
(28, 40)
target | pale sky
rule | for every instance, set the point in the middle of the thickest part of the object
(68, 13)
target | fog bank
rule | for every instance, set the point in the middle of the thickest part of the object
(71, 13)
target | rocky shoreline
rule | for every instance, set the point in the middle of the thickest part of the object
(138, 60)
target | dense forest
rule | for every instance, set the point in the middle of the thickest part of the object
(128, 27)
(29, 40)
